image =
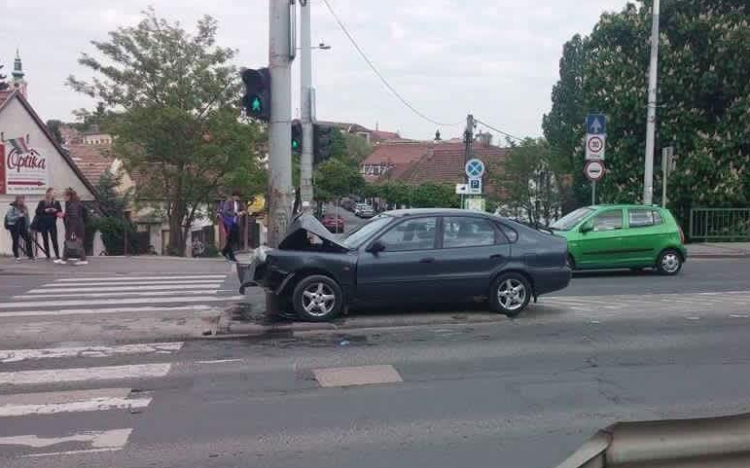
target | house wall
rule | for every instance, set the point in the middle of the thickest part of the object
(15, 122)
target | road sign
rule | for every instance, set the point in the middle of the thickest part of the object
(594, 170)
(462, 189)
(595, 147)
(475, 186)
(596, 124)
(474, 168)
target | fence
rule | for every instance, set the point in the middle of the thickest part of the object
(720, 224)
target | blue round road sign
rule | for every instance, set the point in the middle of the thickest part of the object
(474, 168)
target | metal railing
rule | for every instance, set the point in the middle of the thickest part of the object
(720, 224)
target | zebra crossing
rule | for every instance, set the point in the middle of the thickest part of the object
(120, 294)
(54, 391)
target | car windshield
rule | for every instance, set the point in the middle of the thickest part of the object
(570, 220)
(355, 238)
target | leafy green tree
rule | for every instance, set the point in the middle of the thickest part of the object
(3, 83)
(54, 128)
(396, 193)
(114, 225)
(435, 195)
(704, 95)
(176, 94)
(336, 178)
(357, 147)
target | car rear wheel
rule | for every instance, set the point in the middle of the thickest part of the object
(317, 298)
(669, 262)
(510, 294)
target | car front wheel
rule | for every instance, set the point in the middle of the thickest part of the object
(510, 294)
(317, 298)
(669, 262)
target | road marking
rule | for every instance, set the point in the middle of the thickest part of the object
(120, 294)
(49, 376)
(114, 310)
(740, 316)
(70, 402)
(362, 375)
(219, 361)
(693, 318)
(104, 302)
(100, 441)
(110, 284)
(144, 287)
(140, 278)
(18, 355)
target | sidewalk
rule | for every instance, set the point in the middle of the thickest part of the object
(118, 266)
(719, 250)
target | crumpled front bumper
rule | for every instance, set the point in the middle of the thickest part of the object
(258, 273)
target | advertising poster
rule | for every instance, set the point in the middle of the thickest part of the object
(2, 169)
(26, 170)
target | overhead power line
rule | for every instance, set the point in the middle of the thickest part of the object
(379, 75)
(512, 137)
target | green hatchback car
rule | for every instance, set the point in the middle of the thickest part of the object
(623, 236)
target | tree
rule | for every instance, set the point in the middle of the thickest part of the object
(434, 195)
(704, 95)
(527, 182)
(54, 128)
(396, 193)
(336, 178)
(357, 147)
(176, 97)
(114, 225)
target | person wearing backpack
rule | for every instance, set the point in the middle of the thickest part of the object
(17, 222)
(47, 212)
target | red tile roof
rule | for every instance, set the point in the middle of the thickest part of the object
(396, 153)
(445, 163)
(92, 160)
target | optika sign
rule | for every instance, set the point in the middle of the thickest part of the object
(29, 161)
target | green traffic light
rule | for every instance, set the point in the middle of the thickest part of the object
(255, 105)
(295, 144)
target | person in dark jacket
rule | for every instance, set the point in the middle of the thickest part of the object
(75, 224)
(231, 210)
(47, 212)
(17, 222)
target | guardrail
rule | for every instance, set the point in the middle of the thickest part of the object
(715, 442)
(720, 224)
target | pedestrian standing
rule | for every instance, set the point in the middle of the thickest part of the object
(47, 212)
(17, 222)
(231, 209)
(75, 228)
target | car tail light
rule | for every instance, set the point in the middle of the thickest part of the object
(682, 234)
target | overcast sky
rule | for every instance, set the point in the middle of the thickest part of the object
(497, 59)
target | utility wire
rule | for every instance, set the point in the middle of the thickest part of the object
(379, 75)
(513, 137)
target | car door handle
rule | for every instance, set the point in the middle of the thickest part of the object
(427, 260)
(496, 257)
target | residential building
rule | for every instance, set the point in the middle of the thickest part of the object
(374, 137)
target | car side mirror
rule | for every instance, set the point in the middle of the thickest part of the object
(588, 226)
(376, 247)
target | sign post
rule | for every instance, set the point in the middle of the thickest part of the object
(474, 169)
(596, 138)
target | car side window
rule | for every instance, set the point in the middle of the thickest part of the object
(510, 233)
(643, 218)
(413, 234)
(464, 231)
(608, 221)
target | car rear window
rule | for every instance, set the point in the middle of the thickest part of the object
(643, 218)
(509, 232)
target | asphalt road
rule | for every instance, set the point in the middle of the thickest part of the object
(521, 393)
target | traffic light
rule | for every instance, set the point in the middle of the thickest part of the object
(296, 137)
(257, 98)
(322, 144)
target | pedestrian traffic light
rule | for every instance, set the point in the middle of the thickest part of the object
(296, 137)
(322, 143)
(257, 98)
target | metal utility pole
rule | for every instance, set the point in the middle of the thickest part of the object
(648, 173)
(468, 148)
(306, 105)
(280, 188)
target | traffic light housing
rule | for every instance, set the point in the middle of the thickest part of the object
(257, 98)
(322, 144)
(296, 137)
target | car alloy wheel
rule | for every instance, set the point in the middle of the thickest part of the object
(317, 298)
(670, 262)
(511, 294)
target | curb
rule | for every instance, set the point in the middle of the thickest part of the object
(719, 256)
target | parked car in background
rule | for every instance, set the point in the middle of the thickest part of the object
(623, 236)
(366, 211)
(333, 222)
(410, 256)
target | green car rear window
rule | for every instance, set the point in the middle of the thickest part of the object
(643, 218)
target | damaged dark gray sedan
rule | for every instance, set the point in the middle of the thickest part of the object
(418, 256)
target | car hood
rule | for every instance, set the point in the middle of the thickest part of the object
(296, 233)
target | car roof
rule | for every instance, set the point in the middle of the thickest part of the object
(434, 211)
(625, 206)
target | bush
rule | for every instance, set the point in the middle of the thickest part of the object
(113, 235)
